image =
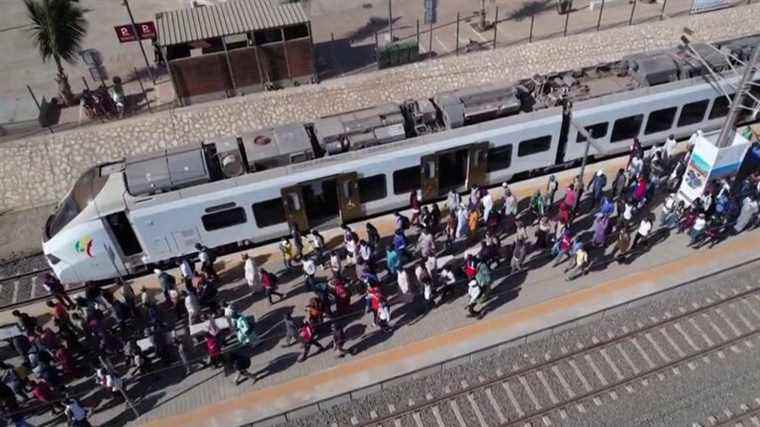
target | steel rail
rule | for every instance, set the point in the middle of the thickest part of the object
(579, 352)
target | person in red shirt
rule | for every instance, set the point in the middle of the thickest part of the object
(58, 311)
(342, 297)
(42, 391)
(269, 283)
(66, 361)
(309, 338)
(214, 350)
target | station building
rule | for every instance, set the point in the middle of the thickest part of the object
(236, 47)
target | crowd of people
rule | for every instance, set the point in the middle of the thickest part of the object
(98, 335)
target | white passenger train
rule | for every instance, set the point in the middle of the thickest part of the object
(123, 217)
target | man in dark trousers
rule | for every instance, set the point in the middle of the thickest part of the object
(56, 289)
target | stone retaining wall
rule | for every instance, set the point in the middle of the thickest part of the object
(39, 170)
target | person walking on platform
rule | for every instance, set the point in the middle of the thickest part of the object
(286, 248)
(537, 207)
(167, 283)
(487, 202)
(551, 191)
(308, 338)
(373, 236)
(618, 184)
(483, 277)
(597, 185)
(291, 331)
(473, 219)
(310, 272)
(295, 234)
(473, 293)
(426, 244)
(581, 264)
(601, 225)
(187, 272)
(461, 222)
(317, 242)
(518, 256)
(453, 201)
(56, 290)
(207, 258)
(251, 273)
(392, 260)
(645, 226)
(698, 229)
(244, 331)
(269, 283)
(239, 363)
(747, 213)
(510, 209)
(622, 245)
(400, 243)
(338, 339)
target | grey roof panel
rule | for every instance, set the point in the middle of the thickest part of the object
(232, 17)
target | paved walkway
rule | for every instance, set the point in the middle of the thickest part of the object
(175, 393)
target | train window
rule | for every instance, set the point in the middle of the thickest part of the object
(692, 113)
(499, 158)
(269, 212)
(534, 146)
(660, 120)
(223, 219)
(720, 107)
(598, 130)
(405, 180)
(372, 188)
(626, 128)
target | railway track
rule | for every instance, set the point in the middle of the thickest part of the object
(746, 414)
(717, 328)
(18, 284)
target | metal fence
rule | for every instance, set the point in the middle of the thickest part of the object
(505, 28)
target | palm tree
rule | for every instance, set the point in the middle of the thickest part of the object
(58, 27)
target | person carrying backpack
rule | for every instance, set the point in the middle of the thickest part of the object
(244, 331)
(308, 339)
(269, 282)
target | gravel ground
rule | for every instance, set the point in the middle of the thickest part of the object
(689, 393)
(22, 266)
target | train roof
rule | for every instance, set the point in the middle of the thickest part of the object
(270, 153)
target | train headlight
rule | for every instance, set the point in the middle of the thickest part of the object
(52, 259)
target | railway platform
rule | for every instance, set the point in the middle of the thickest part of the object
(530, 305)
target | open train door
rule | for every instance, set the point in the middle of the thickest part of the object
(295, 208)
(429, 176)
(477, 163)
(349, 204)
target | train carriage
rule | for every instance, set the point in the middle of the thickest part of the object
(121, 218)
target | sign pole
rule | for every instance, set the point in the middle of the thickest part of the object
(139, 41)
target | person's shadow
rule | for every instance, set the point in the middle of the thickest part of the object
(277, 365)
(369, 341)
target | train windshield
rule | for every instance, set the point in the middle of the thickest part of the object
(84, 191)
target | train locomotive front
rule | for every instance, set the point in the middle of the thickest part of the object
(77, 242)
